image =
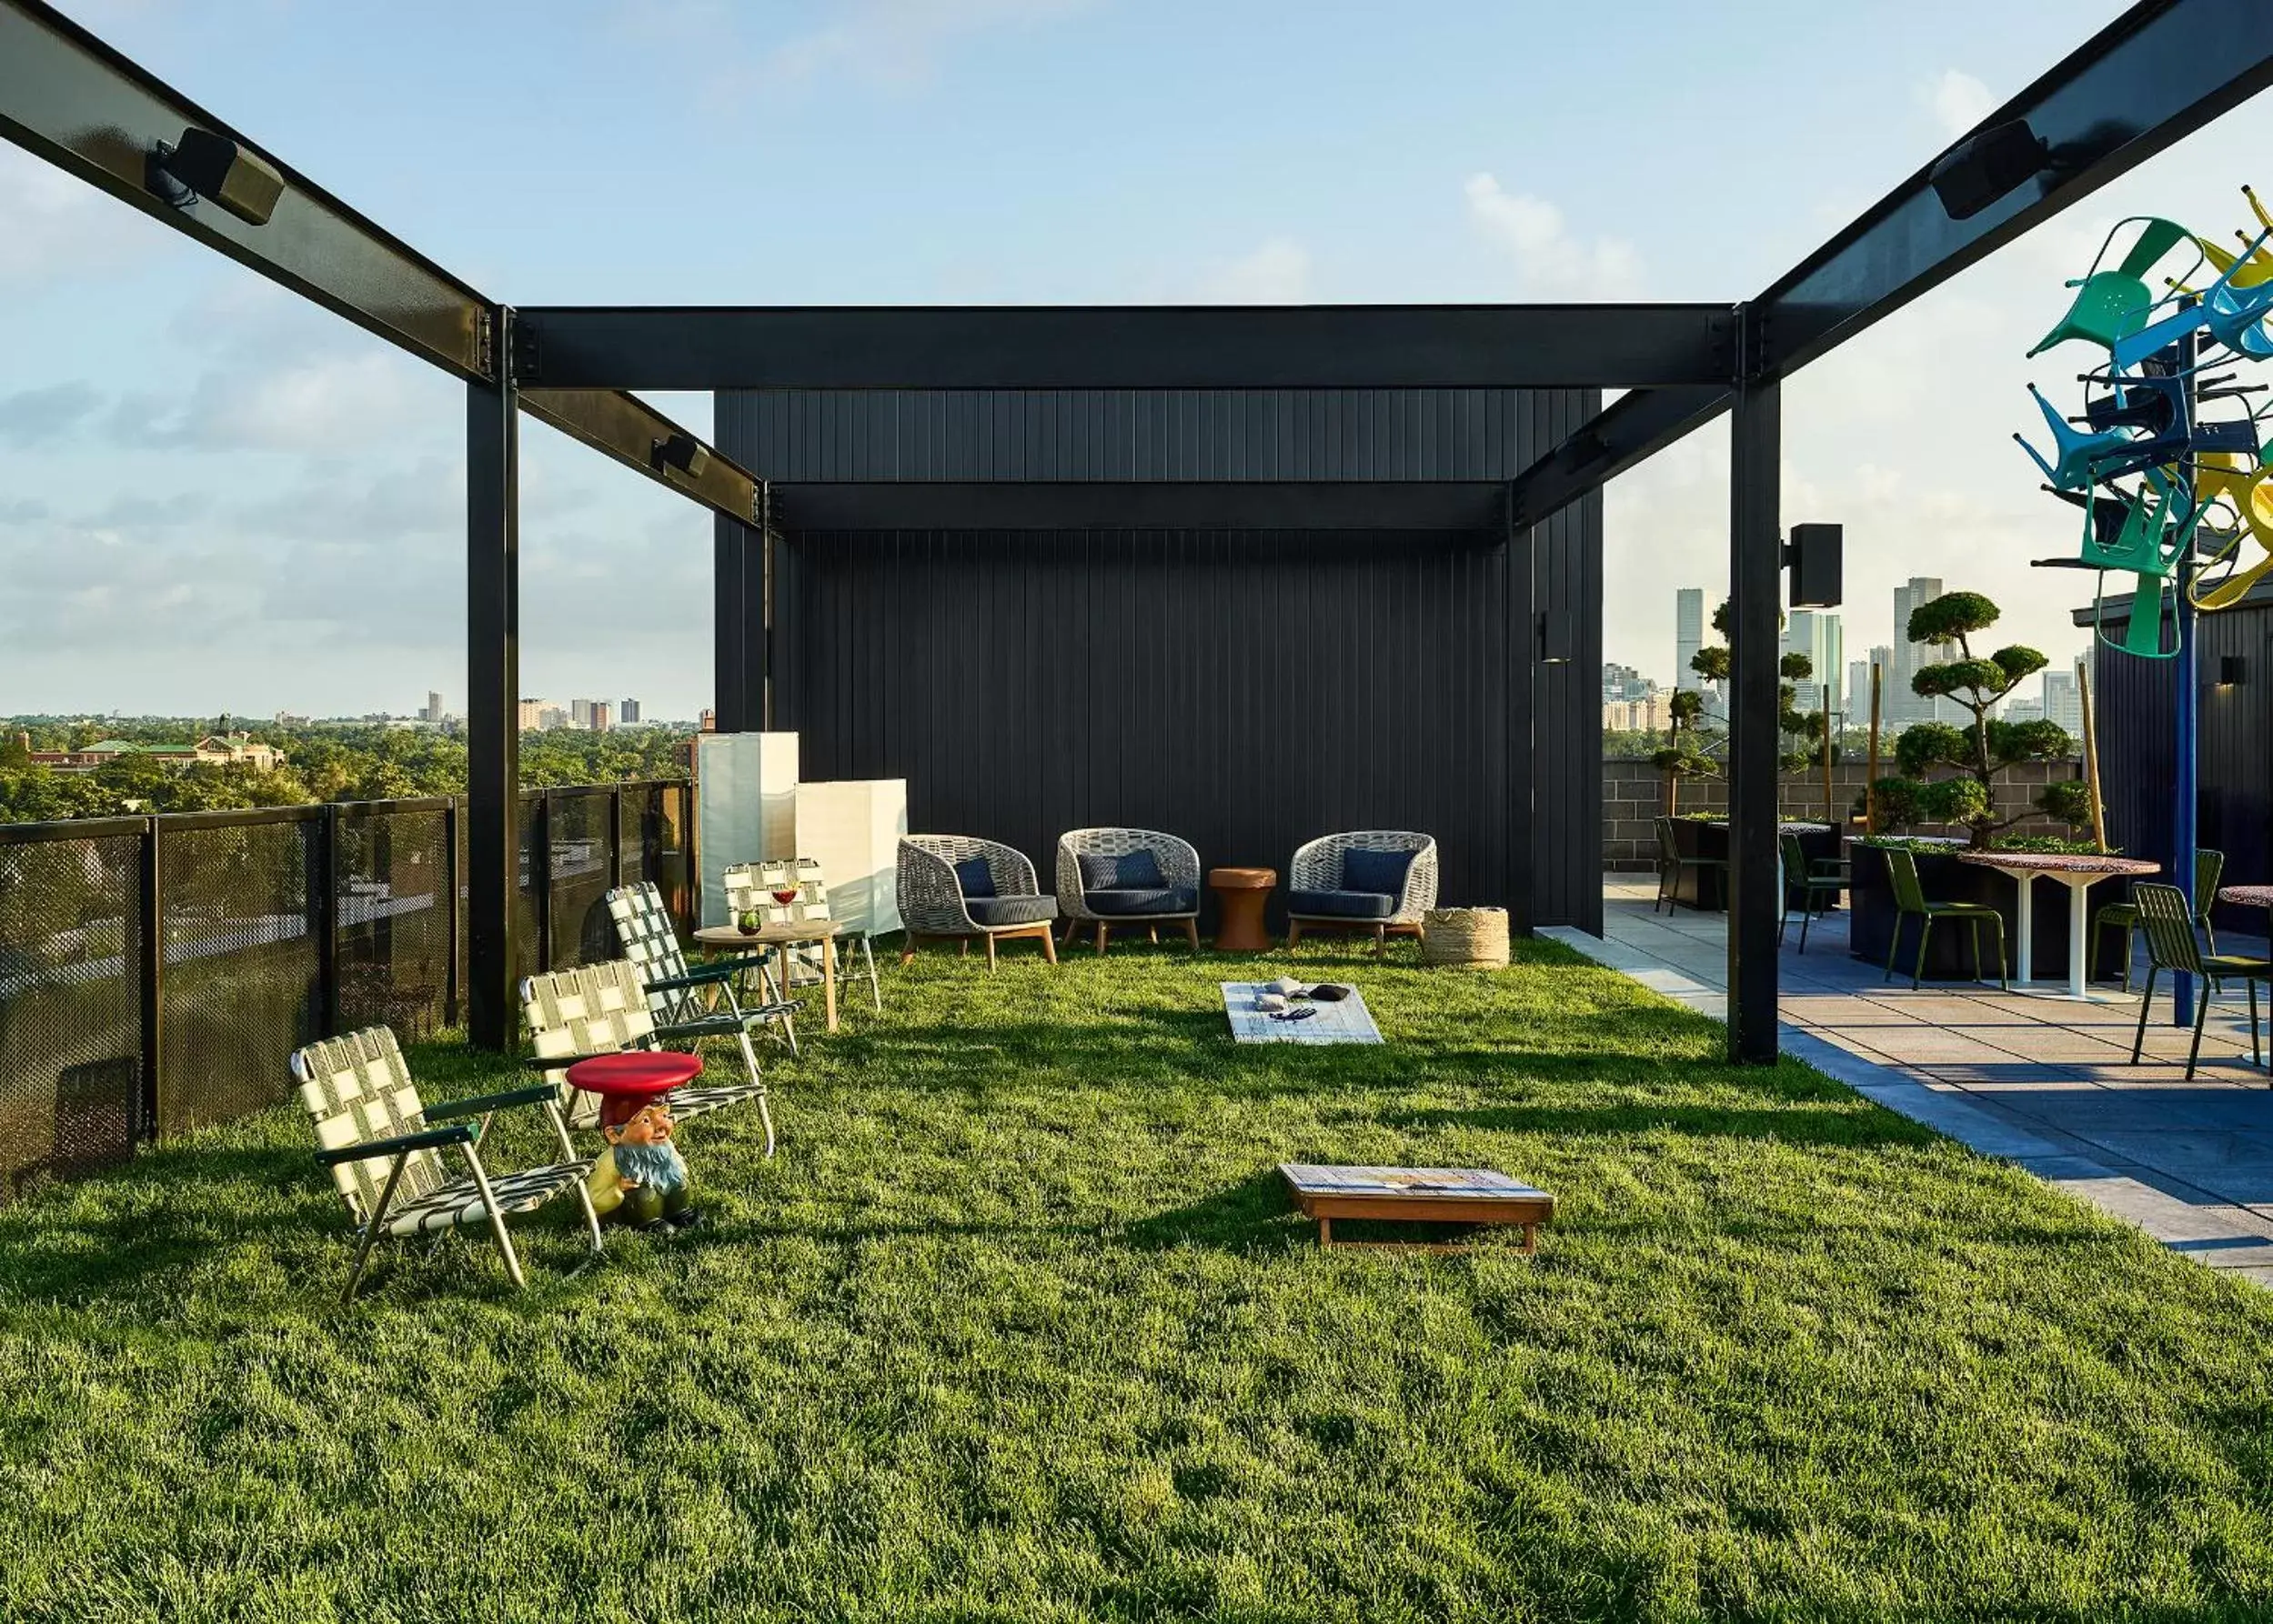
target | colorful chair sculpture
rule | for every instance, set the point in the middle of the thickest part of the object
(2111, 304)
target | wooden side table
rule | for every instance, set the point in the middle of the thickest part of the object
(1240, 897)
(780, 936)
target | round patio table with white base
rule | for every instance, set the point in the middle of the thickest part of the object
(2078, 871)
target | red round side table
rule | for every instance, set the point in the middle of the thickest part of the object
(634, 1073)
(1240, 897)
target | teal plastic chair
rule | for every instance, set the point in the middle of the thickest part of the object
(2076, 455)
(1812, 877)
(2209, 867)
(2171, 945)
(2114, 304)
(1901, 874)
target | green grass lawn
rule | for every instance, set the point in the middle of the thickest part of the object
(1019, 1325)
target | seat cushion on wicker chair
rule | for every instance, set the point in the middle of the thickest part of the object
(974, 877)
(1135, 904)
(1382, 871)
(1010, 910)
(1137, 870)
(1340, 904)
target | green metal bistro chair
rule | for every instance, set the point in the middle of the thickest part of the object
(1670, 863)
(1901, 874)
(368, 1112)
(2171, 946)
(1810, 876)
(2209, 867)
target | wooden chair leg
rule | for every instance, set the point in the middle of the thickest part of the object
(989, 949)
(1049, 945)
(1101, 938)
(1152, 934)
(907, 950)
(1191, 932)
(1293, 933)
(962, 946)
(1381, 941)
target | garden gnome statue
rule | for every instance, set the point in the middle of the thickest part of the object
(642, 1179)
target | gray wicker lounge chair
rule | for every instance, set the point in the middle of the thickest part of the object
(368, 1112)
(1375, 881)
(955, 886)
(1128, 877)
(750, 887)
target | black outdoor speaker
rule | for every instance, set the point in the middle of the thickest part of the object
(1816, 555)
(1988, 164)
(683, 452)
(213, 167)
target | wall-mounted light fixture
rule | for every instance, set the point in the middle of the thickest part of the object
(682, 452)
(1556, 644)
(204, 165)
(2233, 670)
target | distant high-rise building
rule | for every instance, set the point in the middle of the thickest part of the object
(1622, 683)
(1881, 656)
(550, 717)
(1688, 634)
(2063, 703)
(630, 712)
(1857, 688)
(1817, 635)
(580, 712)
(532, 714)
(434, 706)
(600, 716)
(1904, 704)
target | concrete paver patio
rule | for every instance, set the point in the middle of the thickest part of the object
(2046, 1083)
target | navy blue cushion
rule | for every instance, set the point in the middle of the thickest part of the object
(1160, 899)
(975, 878)
(1130, 871)
(1382, 871)
(1340, 905)
(1011, 910)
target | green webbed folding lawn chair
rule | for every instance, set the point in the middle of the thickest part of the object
(751, 887)
(698, 1000)
(602, 1009)
(368, 1112)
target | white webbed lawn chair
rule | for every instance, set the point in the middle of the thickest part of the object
(602, 1009)
(697, 1001)
(750, 887)
(368, 1112)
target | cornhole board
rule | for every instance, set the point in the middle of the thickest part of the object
(1415, 1195)
(1348, 1021)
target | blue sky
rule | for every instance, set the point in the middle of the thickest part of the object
(214, 498)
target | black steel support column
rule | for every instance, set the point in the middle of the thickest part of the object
(493, 668)
(1523, 670)
(1756, 609)
(739, 625)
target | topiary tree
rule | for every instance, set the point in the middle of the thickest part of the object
(1714, 663)
(1986, 748)
(1683, 756)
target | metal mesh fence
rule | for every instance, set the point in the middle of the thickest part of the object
(581, 833)
(394, 920)
(70, 1006)
(654, 835)
(242, 977)
(528, 899)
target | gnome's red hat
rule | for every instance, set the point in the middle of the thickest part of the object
(616, 1109)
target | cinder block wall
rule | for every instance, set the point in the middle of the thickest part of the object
(1634, 795)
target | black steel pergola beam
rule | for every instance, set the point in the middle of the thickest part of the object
(626, 428)
(1182, 347)
(1627, 432)
(1450, 506)
(2152, 77)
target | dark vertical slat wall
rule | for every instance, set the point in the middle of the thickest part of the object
(2137, 747)
(1248, 690)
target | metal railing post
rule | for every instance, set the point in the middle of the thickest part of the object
(540, 876)
(151, 924)
(449, 885)
(323, 886)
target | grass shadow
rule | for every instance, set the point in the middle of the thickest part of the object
(1254, 1216)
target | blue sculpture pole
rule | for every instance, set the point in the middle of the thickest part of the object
(2187, 675)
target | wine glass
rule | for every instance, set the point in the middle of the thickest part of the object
(785, 895)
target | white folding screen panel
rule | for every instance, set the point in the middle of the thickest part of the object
(746, 807)
(852, 830)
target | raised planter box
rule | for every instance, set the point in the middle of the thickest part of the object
(1709, 887)
(1871, 923)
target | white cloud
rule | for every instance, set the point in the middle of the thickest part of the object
(54, 226)
(1549, 262)
(1276, 273)
(333, 403)
(1957, 101)
(888, 43)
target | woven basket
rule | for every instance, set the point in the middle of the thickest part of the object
(1467, 939)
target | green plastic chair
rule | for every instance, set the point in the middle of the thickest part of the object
(2209, 866)
(1811, 877)
(1902, 873)
(2112, 304)
(1670, 863)
(2171, 945)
